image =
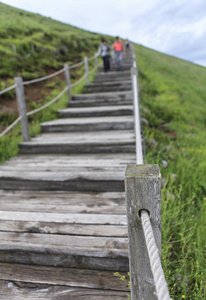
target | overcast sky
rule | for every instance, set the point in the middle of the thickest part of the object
(176, 27)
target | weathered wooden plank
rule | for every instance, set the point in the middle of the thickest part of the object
(69, 218)
(89, 124)
(59, 208)
(93, 120)
(58, 198)
(103, 96)
(86, 137)
(96, 111)
(100, 253)
(11, 291)
(63, 228)
(80, 278)
(94, 103)
(76, 245)
(53, 147)
(66, 162)
(109, 83)
(81, 142)
(58, 258)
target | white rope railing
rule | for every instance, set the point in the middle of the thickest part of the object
(68, 88)
(10, 126)
(43, 78)
(91, 58)
(8, 89)
(76, 65)
(80, 80)
(156, 266)
(47, 104)
(92, 71)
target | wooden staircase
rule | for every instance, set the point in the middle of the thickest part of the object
(63, 228)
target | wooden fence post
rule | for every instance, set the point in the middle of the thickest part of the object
(67, 77)
(22, 108)
(86, 69)
(143, 191)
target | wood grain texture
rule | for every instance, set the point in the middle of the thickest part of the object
(11, 291)
(93, 279)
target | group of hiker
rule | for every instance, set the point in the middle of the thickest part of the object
(119, 51)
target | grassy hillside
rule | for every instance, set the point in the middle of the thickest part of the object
(173, 100)
(40, 43)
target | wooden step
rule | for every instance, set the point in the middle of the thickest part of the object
(72, 278)
(89, 124)
(126, 67)
(94, 103)
(125, 95)
(106, 80)
(29, 291)
(113, 75)
(81, 142)
(82, 112)
(98, 253)
(83, 172)
(109, 87)
(61, 212)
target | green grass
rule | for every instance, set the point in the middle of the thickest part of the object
(50, 43)
(172, 94)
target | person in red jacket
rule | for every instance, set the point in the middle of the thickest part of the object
(119, 50)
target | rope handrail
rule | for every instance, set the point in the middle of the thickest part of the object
(50, 102)
(47, 104)
(155, 262)
(91, 58)
(76, 65)
(78, 81)
(10, 126)
(8, 89)
(43, 78)
(90, 72)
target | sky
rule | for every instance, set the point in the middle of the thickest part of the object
(176, 27)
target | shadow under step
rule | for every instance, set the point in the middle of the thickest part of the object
(75, 172)
(96, 111)
(89, 124)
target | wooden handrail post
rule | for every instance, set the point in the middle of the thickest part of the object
(143, 192)
(68, 82)
(86, 69)
(22, 108)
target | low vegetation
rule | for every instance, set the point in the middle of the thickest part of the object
(172, 93)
